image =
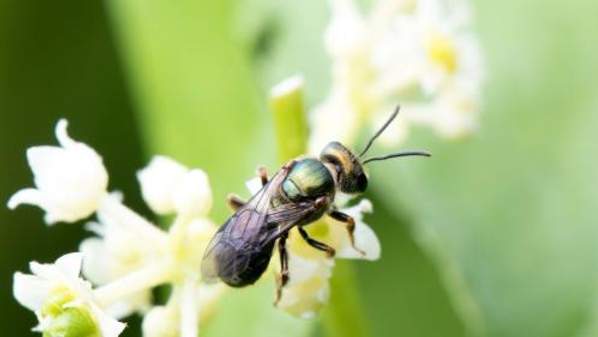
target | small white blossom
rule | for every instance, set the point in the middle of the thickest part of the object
(310, 270)
(168, 187)
(62, 301)
(70, 179)
(415, 54)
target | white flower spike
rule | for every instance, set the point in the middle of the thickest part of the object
(70, 179)
(63, 302)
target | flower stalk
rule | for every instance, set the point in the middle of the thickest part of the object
(286, 103)
(143, 279)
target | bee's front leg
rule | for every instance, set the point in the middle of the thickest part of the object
(350, 222)
(235, 202)
(284, 267)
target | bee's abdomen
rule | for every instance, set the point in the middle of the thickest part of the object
(239, 267)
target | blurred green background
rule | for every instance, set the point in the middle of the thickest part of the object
(495, 236)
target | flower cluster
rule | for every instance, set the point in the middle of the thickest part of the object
(128, 257)
(421, 54)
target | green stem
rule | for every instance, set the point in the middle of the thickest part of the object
(343, 316)
(286, 102)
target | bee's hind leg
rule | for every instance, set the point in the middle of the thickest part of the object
(234, 201)
(284, 267)
(350, 222)
(316, 244)
(263, 174)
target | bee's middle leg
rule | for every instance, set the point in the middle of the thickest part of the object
(350, 222)
(235, 202)
(284, 267)
(316, 244)
(263, 174)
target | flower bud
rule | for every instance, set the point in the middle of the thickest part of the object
(168, 186)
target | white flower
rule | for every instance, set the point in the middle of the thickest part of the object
(70, 180)
(412, 54)
(126, 242)
(310, 270)
(63, 302)
(168, 187)
(434, 41)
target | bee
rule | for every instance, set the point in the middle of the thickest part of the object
(301, 192)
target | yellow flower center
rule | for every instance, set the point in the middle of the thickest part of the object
(57, 298)
(441, 50)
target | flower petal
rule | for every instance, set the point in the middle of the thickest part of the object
(61, 133)
(108, 326)
(365, 240)
(30, 291)
(70, 264)
(29, 196)
(306, 298)
(301, 269)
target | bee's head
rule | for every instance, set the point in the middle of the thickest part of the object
(350, 175)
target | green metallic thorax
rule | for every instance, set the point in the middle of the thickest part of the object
(308, 179)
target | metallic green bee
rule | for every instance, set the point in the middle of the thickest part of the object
(300, 193)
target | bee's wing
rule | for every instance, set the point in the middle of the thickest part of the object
(243, 231)
(286, 216)
(209, 268)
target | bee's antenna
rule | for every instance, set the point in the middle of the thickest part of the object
(399, 154)
(392, 117)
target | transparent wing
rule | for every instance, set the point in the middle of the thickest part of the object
(241, 232)
(209, 268)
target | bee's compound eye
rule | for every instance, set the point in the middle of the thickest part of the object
(362, 183)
